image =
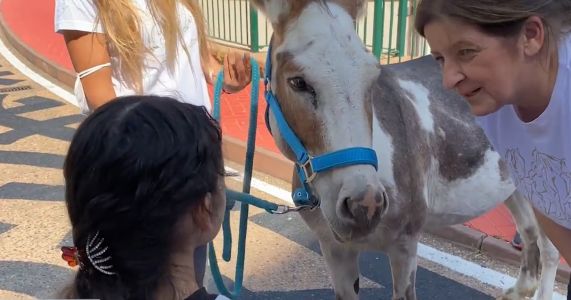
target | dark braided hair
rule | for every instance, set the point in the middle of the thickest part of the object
(134, 168)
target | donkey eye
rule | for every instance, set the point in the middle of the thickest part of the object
(299, 84)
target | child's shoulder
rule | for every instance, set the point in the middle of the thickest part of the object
(202, 294)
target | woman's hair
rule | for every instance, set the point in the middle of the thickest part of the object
(503, 18)
(122, 24)
(135, 168)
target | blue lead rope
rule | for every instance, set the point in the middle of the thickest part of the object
(233, 196)
(243, 197)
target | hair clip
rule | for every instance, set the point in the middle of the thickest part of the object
(70, 255)
(95, 251)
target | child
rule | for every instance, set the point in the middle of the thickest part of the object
(128, 47)
(144, 188)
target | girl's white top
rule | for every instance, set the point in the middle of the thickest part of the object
(185, 82)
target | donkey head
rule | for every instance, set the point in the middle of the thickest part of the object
(322, 75)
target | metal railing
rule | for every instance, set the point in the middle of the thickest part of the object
(386, 28)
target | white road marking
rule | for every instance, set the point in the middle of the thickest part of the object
(24, 69)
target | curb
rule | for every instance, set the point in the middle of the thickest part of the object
(472, 239)
(37, 60)
(277, 166)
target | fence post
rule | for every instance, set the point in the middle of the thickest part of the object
(378, 27)
(402, 20)
(254, 32)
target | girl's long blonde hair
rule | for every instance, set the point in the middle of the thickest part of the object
(122, 25)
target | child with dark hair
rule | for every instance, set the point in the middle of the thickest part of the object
(144, 188)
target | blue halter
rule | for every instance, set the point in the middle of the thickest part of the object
(308, 166)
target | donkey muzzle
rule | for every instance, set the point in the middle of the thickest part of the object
(362, 207)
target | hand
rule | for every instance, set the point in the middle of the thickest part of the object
(237, 71)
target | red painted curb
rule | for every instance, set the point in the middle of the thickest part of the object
(35, 59)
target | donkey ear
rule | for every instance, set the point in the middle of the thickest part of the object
(356, 8)
(273, 9)
(360, 7)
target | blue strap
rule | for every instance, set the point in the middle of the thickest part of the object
(285, 131)
(287, 134)
(301, 197)
(268, 68)
(345, 157)
(337, 159)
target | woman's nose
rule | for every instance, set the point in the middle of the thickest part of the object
(451, 76)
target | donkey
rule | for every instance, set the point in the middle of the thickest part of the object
(435, 165)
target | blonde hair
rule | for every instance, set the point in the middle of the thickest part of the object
(122, 25)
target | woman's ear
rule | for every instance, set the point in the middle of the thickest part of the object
(534, 36)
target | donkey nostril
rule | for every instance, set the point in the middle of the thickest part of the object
(346, 207)
(385, 202)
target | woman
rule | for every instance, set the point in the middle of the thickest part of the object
(126, 47)
(511, 60)
(144, 188)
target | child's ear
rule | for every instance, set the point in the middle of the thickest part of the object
(202, 213)
(208, 202)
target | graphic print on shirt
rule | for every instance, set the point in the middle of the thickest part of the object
(545, 181)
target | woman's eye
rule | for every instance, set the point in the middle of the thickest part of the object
(466, 52)
(299, 84)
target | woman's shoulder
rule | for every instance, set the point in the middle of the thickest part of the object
(565, 50)
(564, 72)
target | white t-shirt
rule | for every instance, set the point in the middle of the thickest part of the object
(185, 83)
(539, 152)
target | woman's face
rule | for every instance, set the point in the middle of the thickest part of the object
(484, 69)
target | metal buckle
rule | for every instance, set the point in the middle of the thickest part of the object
(307, 168)
(284, 209)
